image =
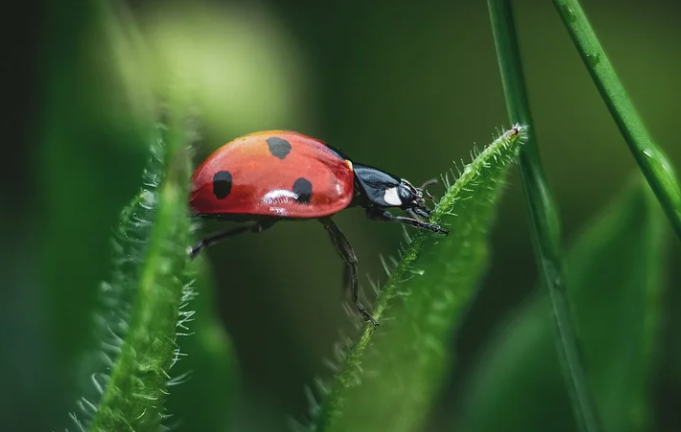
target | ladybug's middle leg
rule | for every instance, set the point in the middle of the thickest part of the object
(222, 235)
(347, 252)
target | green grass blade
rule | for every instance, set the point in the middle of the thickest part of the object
(116, 295)
(545, 225)
(615, 270)
(651, 159)
(134, 393)
(388, 380)
(207, 400)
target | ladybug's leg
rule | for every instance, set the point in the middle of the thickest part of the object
(347, 252)
(385, 215)
(222, 235)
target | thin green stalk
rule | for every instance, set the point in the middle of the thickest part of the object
(650, 158)
(617, 261)
(545, 223)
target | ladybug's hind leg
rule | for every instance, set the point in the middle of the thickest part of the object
(222, 235)
(347, 252)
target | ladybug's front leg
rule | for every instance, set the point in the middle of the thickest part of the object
(347, 252)
(385, 215)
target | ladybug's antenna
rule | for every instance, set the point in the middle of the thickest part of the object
(426, 194)
(428, 183)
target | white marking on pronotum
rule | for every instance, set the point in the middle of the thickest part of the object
(392, 197)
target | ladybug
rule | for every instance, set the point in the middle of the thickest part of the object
(266, 177)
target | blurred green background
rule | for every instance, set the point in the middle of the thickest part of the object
(406, 86)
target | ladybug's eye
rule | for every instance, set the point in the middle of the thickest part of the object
(405, 192)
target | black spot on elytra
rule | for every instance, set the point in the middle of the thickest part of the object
(279, 147)
(303, 188)
(222, 184)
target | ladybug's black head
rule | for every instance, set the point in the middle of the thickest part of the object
(386, 190)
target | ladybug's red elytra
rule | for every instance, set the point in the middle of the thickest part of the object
(269, 176)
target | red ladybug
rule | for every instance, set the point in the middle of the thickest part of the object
(270, 176)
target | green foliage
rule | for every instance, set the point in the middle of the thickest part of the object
(86, 166)
(388, 380)
(651, 159)
(81, 150)
(614, 274)
(149, 293)
(545, 223)
(165, 362)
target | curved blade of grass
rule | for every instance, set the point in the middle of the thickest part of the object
(545, 223)
(614, 270)
(116, 296)
(388, 380)
(651, 159)
(207, 400)
(134, 392)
